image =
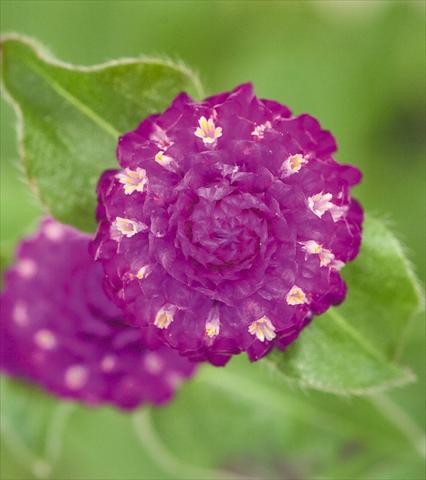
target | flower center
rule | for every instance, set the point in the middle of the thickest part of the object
(224, 237)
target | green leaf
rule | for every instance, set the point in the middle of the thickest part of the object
(31, 426)
(6, 255)
(70, 118)
(353, 349)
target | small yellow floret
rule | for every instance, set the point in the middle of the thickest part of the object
(162, 159)
(45, 339)
(127, 227)
(164, 317)
(320, 203)
(213, 327)
(133, 180)
(296, 296)
(293, 164)
(262, 329)
(207, 131)
(143, 272)
(259, 130)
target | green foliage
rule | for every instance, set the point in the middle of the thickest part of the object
(32, 425)
(70, 118)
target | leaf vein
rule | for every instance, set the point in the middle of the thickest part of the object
(74, 101)
(350, 330)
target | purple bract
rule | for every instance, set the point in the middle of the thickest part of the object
(227, 226)
(59, 329)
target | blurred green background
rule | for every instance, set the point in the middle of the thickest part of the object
(359, 67)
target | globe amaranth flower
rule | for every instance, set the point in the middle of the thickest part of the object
(227, 225)
(59, 329)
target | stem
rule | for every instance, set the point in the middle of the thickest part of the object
(171, 465)
(402, 421)
(55, 433)
(38, 466)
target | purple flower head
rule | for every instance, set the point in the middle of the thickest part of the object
(227, 225)
(59, 329)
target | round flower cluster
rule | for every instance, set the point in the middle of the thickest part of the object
(61, 331)
(227, 225)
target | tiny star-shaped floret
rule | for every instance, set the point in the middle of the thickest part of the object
(133, 180)
(326, 256)
(320, 203)
(262, 329)
(296, 296)
(259, 130)
(311, 247)
(20, 314)
(45, 339)
(174, 379)
(143, 272)
(338, 212)
(108, 363)
(164, 317)
(75, 377)
(293, 164)
(207, 131)
(125, 227)
(153, 363)
(26, 268)
(163, 160)
(54, 231)
(213, 324)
